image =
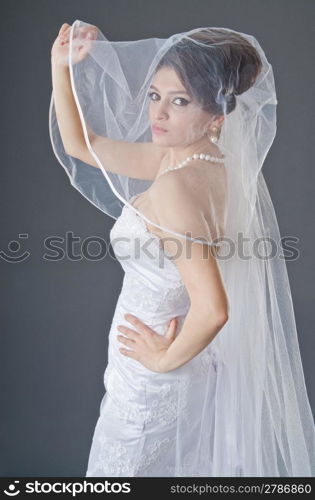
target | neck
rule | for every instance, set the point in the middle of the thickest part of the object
(179, 153)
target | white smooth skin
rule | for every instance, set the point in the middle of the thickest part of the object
(187, 125)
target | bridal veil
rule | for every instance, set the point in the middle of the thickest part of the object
(255, 419)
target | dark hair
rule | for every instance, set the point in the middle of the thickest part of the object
(221, 65)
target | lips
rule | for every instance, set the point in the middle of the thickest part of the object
(156, 128)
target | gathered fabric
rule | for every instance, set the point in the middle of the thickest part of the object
(240, 407)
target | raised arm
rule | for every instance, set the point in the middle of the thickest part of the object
(138, 160)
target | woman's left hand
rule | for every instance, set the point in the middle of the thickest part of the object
(148, 347)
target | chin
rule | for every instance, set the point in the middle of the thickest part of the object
(159, 140)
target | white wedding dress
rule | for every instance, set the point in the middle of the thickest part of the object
(136, 431)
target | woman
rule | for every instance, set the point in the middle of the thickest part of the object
(204, 376)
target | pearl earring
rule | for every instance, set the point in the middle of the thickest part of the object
(213, 138)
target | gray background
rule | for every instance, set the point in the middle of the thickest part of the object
(55, 315)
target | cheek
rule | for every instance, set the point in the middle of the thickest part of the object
(189, 128)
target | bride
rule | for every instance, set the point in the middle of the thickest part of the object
(204, 376)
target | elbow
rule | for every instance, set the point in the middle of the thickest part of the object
(67, 151)
(222, 319)
(219, 318)
(222, 314)
(209, 314)
(70, 152)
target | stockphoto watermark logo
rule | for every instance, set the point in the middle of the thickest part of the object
(71, 488)
(56, 248)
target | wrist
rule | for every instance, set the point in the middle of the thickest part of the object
(164, 364)
(58, 66)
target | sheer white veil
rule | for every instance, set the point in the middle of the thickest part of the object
(256, 418)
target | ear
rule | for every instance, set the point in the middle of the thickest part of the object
(215, 124)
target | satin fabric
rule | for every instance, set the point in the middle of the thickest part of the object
(136, 432)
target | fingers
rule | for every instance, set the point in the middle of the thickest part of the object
(127, 331)
(172, 328)
(173, 323)
(129, 353)
(83, 33)
(63, 28)
(92, 32)
(141, 327)
(64, 33)
(126, 341)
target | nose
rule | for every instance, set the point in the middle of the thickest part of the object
(160, 110)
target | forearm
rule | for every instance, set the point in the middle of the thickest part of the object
(198, 330)
(66, 110)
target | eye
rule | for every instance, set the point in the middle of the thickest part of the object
(150, 94)
(184, 101)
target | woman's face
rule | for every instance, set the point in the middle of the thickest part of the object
(174, 110)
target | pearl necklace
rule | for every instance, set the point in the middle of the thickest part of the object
(195, 156)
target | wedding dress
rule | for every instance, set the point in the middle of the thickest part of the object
(136, 430)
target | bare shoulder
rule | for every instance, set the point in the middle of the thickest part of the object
(187, 181)
(185, 197)
(178, 211)
(168, 187)
(170, 199)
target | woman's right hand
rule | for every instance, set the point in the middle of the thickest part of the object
(81, 44)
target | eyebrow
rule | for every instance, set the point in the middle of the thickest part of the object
(172, 91)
